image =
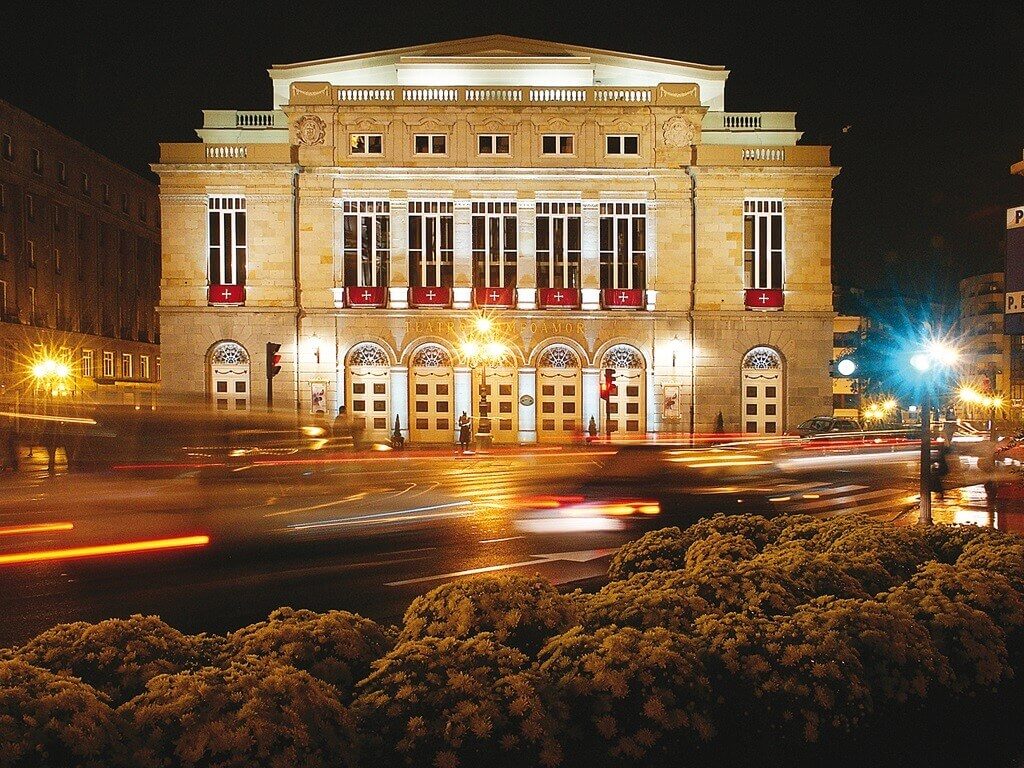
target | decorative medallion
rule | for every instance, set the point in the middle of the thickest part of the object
(679, 132)
(310, 129)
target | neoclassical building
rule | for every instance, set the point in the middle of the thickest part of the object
(602, 209)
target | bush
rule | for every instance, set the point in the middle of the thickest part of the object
(748, 586)
(759, 530)
(718, 548)
(1003, 554)
(948, 541)
(336, 646)
(247, 714)
(628, 697)
(660, 550)
(116, 656)
(49, 720)
(521, 611)
(645, 601)
(814, 575)
(899, 550)
(450, 702)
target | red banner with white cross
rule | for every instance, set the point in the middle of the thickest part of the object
(430, 297)
(566, 298)
(365, 297)
(226, 295)
(623, 298)
(763, 298)
(494, 297)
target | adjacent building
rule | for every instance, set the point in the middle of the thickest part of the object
(602, 209)
(79, 267)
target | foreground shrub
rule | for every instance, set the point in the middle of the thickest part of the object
(1003, 554)
(759, 530)
(948, 541)
(336, 646)
(814, 575)
(718, 548)
(520, 611)
(628, 697)
(49, 720)
(244, 715)
(748, 586)
(899, 550)
(660, 550)
(450, 702)
(665, 599)
(116, 656)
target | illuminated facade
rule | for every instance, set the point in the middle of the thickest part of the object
(602, 208)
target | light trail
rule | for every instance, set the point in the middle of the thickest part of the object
(380, 517)
(105, 549)
(37, 528)
(46, 417)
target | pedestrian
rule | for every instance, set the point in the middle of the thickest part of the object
(464, 431)
(341, 426)
(940, 469)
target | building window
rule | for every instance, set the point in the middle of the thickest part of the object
(494, 244)
(87, 363)
(158, 367)
(558, 245)
(557, 144)
(144, 366)
(7, 146)
(3, 198)
(3, 298)
(142, 210)
(623, 245)
(30, 207)
(226, 240)
(366, 144)
(57, 308)
(763, 260)
(32, 303)
(86, 185)
(56, 260)
(108, 365)
(622, 144)
(62, 172)
(431, 225)
(124, 202)
(126, 365)
(37, 162)
(430, 144)
(367, 226)
(30, 248)
(494, 144)
(3, 245)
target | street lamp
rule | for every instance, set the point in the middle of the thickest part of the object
(480, 348)
(935, 355)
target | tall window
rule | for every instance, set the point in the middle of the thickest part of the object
(7, 146)
(558, 245)
(126, 365)
(226, 237)
(37, 162)
(88, 369)
(108, 365)
(623, 245)
(763, 243)
(367, 242)
(431, 225)
(144, 366)
(494, 244)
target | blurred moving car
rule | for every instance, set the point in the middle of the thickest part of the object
(822, 425)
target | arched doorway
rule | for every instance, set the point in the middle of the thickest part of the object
(229, 376)
(559, 394)
(431, 385)
(502, 398)
(626, 409)
(369, 373)
(762, 384)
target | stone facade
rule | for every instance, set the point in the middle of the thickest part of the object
(688, 328)
(79, 264)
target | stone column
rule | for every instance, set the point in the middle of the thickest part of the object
(463, 396)
(526, 268)
(399, 279)
(590, 259)
(462, 260)
(528, 413)
(591, 397)
(400, 398)
(653, 403)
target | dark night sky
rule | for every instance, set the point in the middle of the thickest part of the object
(932, 103)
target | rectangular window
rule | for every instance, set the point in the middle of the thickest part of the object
(106, 194)
(367, 225)
(144, 366)
(7, 146)
(430, 144)
(30, 207)
(763, 259)
(37, 162)
(86, 185)
(62, 172)
(30, 248)
(431, 226)
(124, 202)
(623, 245)
(126, 365)
(366, 144)
(226, 240)
(57, 308)
(493, 144)
(622, 144)
(142, 210)
(108, 365)
(32, 303)
(87, 363)
(56, 260)
(558, 245)
(494, 244)
(557, 144)
(158, 367)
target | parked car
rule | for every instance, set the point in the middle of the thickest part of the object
(821, 425)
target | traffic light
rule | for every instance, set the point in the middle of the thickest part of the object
(273, 359)
(608, 386)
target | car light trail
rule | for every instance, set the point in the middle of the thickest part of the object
(37, 528)
(105, 549)
(377, 518)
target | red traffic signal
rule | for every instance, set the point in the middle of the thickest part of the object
(273, 359)
(608, 386)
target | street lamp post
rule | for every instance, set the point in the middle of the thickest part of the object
(479, 349)
(936, 354)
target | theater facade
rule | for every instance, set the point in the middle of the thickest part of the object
(602, 210)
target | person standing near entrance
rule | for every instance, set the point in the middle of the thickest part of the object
(464, 431)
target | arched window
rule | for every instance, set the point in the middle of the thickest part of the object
(762, 358)
(229, 353)
(431, 356)
(622, 356)
(558, 356)
(368, 354)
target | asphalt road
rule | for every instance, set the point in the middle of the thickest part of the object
(368, 533)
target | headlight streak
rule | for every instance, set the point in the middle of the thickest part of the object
(379, 518)
(105, 549)
(36, 528)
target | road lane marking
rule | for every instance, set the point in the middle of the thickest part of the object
(582, 556)
(853, 499)
(333, 503)
(506, 538)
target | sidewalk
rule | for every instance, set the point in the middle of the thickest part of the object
(970, 505)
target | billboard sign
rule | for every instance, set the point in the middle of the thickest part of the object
(1013, 318)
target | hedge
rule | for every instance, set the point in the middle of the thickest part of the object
(738, 640)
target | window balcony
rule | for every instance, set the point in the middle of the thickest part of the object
(622, 298)
(226, 295)
(763, 298)
(426, 297)
(365, 297)
(559, 298)
(500, 298)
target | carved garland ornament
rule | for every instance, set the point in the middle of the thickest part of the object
(310, 129)
(679, 132)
